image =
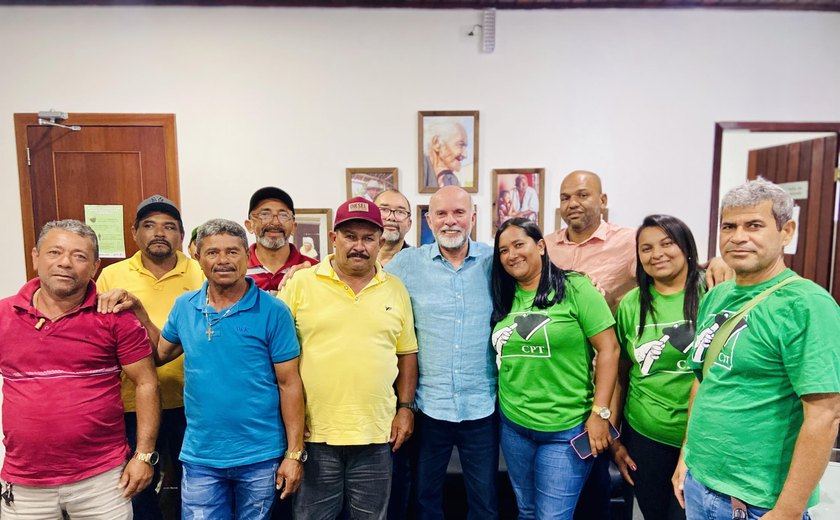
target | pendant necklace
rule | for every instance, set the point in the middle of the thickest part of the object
(216, 321)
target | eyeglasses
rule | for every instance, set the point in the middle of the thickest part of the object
(399, 214)
(267, 216)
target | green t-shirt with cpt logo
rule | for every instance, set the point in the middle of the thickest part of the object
(747, 413)
(545, 366)
(660, 379)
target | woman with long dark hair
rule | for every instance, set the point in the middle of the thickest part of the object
(548, 325)
(655, 324)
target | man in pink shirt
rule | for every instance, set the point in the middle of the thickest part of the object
(66, 449)
(603, 251)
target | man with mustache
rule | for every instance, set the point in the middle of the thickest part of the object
(446, 147)
(157, 274)
(763, 421)
(396, 217)
(449, 285)
(358, 346)
(271, 218)
(62, 413)
(242, 390)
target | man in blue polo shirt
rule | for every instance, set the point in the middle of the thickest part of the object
(243, 396)
(449, 286)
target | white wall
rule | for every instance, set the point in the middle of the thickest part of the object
(293, 96)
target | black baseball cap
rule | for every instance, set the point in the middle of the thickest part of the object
(270, 192)
(159, 204)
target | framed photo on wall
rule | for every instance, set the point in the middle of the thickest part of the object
(312, 235)
(370, 182)
(518, 192)
(447, 150)
(424, 232)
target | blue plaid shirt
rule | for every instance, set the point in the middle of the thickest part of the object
(452, 309)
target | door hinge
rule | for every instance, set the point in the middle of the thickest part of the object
(836, 174)
(28, 157)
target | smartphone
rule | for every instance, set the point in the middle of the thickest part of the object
(581, 443)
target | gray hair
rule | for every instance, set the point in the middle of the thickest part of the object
(220, 226)
(443, 127)
(73, 226)
(752, 193)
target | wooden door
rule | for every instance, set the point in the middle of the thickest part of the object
(114, 159)
(813, 161)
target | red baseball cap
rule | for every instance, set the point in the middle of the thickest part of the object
(358, 208)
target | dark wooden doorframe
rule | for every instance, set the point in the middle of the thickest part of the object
(768, 127)
(22, 121)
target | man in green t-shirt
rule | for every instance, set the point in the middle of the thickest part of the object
(765, 417)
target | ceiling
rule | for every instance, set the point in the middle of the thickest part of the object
(799, 5)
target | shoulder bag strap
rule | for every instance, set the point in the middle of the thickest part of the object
(725, 330)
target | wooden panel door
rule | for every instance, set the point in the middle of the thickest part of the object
(113, 159)
(813, 161)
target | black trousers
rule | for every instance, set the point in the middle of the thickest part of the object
(656, 463)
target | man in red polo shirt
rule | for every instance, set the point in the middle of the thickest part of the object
(65, 440)
(271, 218)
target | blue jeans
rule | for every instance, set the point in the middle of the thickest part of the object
(241, 492)
(702, 503)
(359, 475)
(546, 473)
(478, 448)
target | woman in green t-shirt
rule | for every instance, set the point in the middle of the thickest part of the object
(548, 324)
(655, 325)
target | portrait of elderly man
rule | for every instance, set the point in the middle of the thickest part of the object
(445, 148)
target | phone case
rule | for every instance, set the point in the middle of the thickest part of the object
(581, 442)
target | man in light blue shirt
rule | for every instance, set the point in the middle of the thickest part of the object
(449, 285)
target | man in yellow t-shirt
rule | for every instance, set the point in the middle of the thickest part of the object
(356, 331)
(157, 274)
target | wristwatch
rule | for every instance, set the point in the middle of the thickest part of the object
(149, 458)
(299, 456)
(602, 411)
(411, 405)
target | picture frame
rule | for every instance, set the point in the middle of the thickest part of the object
(424, 232)
(447, 150)
(312, 234)
(518, 192)
(370, 182)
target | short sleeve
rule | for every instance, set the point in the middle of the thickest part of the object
(592, 310)
(407, 341)
(625, 320)
(131, 338)
(288, 295)
(282, 337)
(811, 345)
(170, 328)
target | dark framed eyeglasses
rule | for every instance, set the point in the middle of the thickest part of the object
(399, 214)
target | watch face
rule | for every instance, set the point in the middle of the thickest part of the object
(605, 413)
(154, 457)
(304, 455)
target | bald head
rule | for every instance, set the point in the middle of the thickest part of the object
(581, 203)
(583, 177)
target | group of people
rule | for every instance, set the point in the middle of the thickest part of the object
(342, 386)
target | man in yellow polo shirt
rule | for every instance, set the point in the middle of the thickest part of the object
(157, 274)
(356, 333)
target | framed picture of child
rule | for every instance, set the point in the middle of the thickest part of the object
(518, 192)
